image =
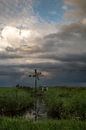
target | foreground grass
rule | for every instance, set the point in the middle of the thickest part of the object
(22, 124)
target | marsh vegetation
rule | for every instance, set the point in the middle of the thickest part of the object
(65, 108)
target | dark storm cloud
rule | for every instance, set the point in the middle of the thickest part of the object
(12, 75)
(9, 71)
(9, 56)
(69, 32)
(76, 33)
(63, 73)
(65, 58)
(66, 65)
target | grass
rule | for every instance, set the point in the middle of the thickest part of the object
(22, 124)
(61, 103)
(66, 109)
(13, 101)
(66, 103)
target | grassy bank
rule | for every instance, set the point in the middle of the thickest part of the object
(22, 124)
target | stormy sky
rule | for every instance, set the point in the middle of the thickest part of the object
(49, 35)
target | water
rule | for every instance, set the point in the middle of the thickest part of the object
(40, 111)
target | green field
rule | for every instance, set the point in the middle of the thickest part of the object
(22, 124)
(65, 107)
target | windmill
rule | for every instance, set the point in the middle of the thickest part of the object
(36, 75)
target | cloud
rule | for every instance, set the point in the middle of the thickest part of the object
(20, 14)
(71, 40)
(28, 42)
(15, 8)
(68, 45)
(15, 74)
(77, 9)
(5, 56)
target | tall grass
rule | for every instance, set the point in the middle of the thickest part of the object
(14, 101)
(66, 103)
(22, 124)
(61, 103)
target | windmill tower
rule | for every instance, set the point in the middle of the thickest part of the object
(36, 75)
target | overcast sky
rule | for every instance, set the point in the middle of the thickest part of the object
(49, 35)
